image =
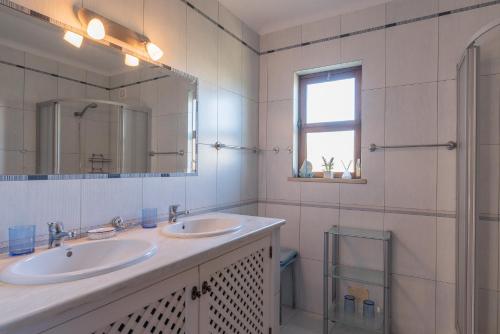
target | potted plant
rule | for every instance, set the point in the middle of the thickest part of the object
(328, 168)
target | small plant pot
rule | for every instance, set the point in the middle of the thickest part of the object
(328, 175)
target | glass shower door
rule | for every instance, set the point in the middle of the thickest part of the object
(466, 193)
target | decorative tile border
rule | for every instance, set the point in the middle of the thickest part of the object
(386, 26)
(489, 218)
(55, 75)
(92, 176)
(58, 76)
(199, 11)
(438, 214)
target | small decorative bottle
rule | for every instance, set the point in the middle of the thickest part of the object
(357, 168)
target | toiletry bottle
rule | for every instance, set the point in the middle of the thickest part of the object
(357, 168)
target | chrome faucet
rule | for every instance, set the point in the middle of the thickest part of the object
(173, 214)
(57, 234)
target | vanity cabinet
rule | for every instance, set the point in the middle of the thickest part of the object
(165, 307)
(229, 294)
(236, 291)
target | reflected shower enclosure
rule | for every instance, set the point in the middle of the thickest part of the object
(92, 136)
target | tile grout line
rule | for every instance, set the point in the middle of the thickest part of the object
(437, 186)
(221, 27)
(387, 210)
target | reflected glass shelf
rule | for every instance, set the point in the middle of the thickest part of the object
(356, 320)
(360, 233)
(356, 274)
(338, 328)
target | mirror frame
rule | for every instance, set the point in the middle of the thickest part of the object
(19, 10)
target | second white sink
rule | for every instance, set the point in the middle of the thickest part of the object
(202, 227)
(72, 262)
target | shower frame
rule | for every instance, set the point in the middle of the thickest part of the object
(467, 215)
(466, 204)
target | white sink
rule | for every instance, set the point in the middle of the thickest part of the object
(202, 227)
(73, 262)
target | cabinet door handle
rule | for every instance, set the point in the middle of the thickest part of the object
(195, 293)
(205, 288)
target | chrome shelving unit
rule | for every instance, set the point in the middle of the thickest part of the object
(335, 321)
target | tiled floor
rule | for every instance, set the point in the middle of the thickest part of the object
(300, 322)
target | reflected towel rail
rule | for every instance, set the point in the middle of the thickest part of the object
(99, 158)
(218, 146)
(152, 153)
(451, 145)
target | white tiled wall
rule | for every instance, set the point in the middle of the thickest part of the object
(409, 97)
(229, 78)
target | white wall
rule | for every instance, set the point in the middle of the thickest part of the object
(228, 95)
(408, 97)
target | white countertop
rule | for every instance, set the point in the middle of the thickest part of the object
(24, 304)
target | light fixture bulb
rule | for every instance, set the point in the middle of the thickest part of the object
(131, 60)
(154, 51)
(95, 29)
(73, 38)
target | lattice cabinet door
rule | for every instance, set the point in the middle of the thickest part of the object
(236, 291)
(163, 308)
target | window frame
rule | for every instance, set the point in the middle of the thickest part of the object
(304, 128)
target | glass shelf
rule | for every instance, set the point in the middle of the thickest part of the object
(356, 320)
(360, 233)
(356, 274)
(336, 321)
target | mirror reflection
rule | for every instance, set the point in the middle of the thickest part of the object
(68, 110)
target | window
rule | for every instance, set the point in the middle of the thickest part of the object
(330, 118)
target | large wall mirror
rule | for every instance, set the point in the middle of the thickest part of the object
(68, 110)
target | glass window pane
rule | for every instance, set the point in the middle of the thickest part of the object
(339, 144)
(331, 101)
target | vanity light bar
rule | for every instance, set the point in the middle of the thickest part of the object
(98, 27)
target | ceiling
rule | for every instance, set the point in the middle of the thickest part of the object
(265, 16)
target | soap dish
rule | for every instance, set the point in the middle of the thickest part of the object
(101, 233)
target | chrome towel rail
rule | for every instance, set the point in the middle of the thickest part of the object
(276, 149)
(152, 153)
(451, 145)
(219, 146)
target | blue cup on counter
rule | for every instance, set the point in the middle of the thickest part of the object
(368, 309)
(149, 218)
(21, 239)
(349, 304)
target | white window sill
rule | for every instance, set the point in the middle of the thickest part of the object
(324, 180)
